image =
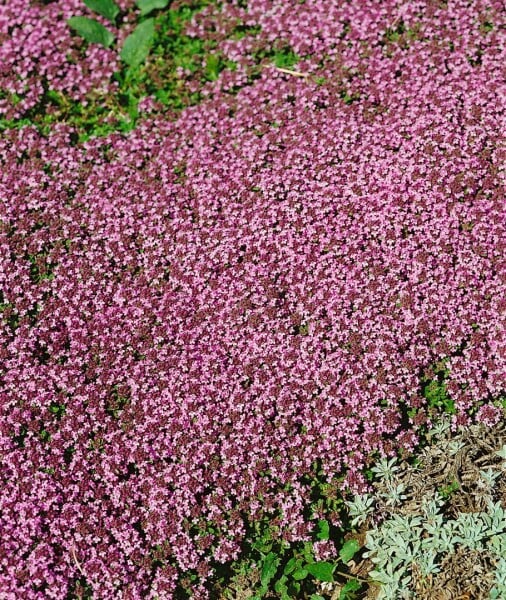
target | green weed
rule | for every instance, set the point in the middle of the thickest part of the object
(152, 72)
(435, 392)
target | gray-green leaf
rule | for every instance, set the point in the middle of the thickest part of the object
(146, 6)
(138, 44)
(323, 571)
(92, 31)
(107, 8)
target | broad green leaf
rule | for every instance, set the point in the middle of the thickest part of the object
(138, 44)
(321, 570)
(347, 591)
(92, 31)
(323, 530)
(146, 6)
(107, 8)
(300, 574)
(269, 568)
(307, 551)
(280, 586)
(316, 597)
(291, 565)
(348, 550)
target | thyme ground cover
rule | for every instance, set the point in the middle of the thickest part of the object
(228, 286)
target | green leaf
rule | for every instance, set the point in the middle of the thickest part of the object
(57, 409)
(280, 586)
(348, 550)
(45, 436)
(307, 551)
(347, 591)
(262, 546)
(269, 568)
(92, 31)
(146, 6)
(300, 574)
(294, 589)
(138, 44)
(291, 565)
(323, 571)
(316, 597)
(212, 67)
(263, 542)
(107, 8)
(323, 530)
(285, 58)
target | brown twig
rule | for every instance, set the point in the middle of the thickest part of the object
(348, 576)
(294, 73)
(77, 562)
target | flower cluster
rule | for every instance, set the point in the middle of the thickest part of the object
(200, 316)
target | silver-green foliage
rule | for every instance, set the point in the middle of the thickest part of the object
(499, 589)
(360, 508)
(427, 538)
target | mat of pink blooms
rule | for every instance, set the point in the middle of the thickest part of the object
(197, 314)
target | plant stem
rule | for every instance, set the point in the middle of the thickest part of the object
(348, 576)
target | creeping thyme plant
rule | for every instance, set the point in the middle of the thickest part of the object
(251, 252)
